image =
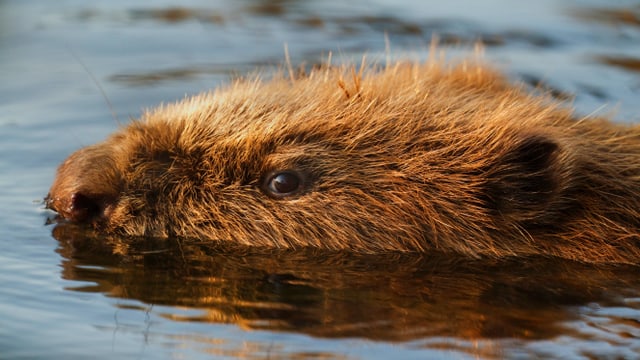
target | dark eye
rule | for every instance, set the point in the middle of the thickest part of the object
(283, 183)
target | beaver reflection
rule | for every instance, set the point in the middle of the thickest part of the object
(396, 297)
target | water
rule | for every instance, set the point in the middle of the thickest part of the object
(66, 296)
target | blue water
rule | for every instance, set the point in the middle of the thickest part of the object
(66, 298)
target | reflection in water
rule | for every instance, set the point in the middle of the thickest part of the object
(183, 74)
(270, 7)
(613, 16)
(627, 63)
(449, 31)
(395, 297)
(178, 14)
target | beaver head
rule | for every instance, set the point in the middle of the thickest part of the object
(412, 157)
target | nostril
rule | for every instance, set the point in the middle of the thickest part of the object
(83, 207)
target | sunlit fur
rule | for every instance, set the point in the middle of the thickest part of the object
(408, 157)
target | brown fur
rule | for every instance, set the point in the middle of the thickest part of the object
(413, 157)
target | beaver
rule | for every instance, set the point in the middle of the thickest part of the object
(409, 157)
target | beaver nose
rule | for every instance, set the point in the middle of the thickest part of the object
(77, 206)
(86, 185)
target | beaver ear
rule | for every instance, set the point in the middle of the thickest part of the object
(525, 179)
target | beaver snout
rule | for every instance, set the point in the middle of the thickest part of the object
(85, 187)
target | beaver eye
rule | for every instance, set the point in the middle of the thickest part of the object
(283, 183)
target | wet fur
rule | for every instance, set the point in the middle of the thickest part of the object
(411, 157)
